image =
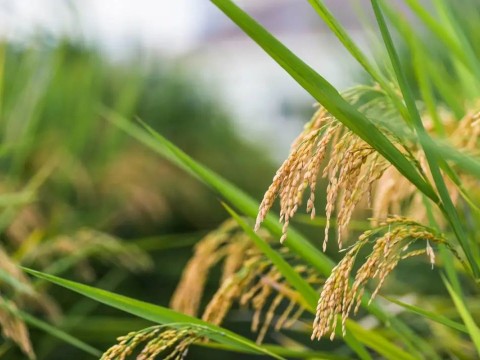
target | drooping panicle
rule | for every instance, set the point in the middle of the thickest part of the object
(392, 240)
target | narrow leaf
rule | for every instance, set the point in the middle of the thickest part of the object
(309, 294)
(154, 313)
(472, 327)
(428, 145)
(61, 335)
(326, 95)
(379, 343)
(428, 315)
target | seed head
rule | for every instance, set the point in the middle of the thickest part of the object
(249, 280)
(14, 328)
(391, 240)
(170, 343)
(352, 167)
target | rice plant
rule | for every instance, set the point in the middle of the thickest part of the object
(399, 154)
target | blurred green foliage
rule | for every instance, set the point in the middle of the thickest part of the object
(69, 169)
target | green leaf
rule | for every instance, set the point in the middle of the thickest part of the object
(326, 95)
(447, 34)
(243, 202)
(154, 313)
(16, 199)
(428, 145)
(310, 296)
(286, 351)
(428, 315)
(375, 341)
(61, 335)
(472, 327)
(355, 51)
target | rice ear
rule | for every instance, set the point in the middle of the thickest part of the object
(391, 242)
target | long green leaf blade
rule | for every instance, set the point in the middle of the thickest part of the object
(243, 202)
(289, 352)
(154, 313)
(355, 51)
(309, 294)
(326, 95)
(446, 204)
(61, 335)
(429, 315)
(472, 327)
(378, 342)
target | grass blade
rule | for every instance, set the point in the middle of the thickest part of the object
(326, 95)
(447, 37)
(154, 313)
(285, 351)
(472, 327)
(308, 293)
(243, 202)
(446, 205)
(374, 340)
(428, 315)
(349, 44)
(59, 334)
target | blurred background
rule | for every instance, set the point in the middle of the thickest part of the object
(74, 190)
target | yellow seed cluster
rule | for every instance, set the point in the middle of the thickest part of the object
(299, 171)
(466, 135)
(391, 243)
(208, 252)
(356, 172)
(248, 279)
(171, 344)
(352, 168)
(393, 192)
(14, 328)
(26, 296)
(261, 287)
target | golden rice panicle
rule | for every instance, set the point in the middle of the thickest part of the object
(261, 287)
(249, 279)
(394, 192)
(230, 291)
(467, 132)
(392, 241)
(26, 296)
(352, 168)
(14, 328)
(331, 300)
(226, 243)
(299, 171)
(158, 341)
